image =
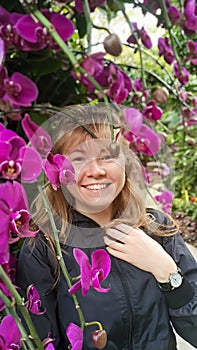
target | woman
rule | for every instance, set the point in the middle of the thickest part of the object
(152, 283)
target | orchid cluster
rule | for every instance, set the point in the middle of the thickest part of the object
(20, 163)
(47, 61)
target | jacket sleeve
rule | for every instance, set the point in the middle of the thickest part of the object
(183, 300)
(35, 267)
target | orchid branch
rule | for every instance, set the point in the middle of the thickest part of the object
(10, 306)
(136, 38)
(21, 306)
(59, 255)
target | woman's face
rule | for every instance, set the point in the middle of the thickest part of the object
(99, 176)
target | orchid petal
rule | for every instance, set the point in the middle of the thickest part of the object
(31, 164)
(34, 302)
(64, 26)
(26, 28)
(133, 118)
(39, 138)
(75, 336)
(8, 323)
(29, 90)
(101, 260)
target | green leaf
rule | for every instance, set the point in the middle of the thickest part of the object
(81, 25)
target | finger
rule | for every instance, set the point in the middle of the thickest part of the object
(116, 235)
(116, 253)
(124, 228)
(114, 244)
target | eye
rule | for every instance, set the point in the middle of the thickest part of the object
(106, 157)
(78, 159)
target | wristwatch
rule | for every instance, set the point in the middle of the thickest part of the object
(175, 281)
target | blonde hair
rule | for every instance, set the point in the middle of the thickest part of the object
(74, 125)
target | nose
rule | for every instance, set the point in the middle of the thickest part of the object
(95, 168)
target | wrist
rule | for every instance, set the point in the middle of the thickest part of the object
(162, 276)
(175, 281)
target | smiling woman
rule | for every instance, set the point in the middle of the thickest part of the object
(100, 209)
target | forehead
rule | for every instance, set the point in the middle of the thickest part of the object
(92, 146)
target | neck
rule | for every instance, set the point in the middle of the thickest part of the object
(101, 218)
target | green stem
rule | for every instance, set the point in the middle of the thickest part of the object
(100, 327)
(10, 306)
(136, 38)
(88, 23)
(21, 306)
(74, 61)
(59, 255)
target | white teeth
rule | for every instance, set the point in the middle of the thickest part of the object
(96, 187)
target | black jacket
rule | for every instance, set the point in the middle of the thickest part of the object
(135, 313)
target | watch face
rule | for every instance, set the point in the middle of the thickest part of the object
(175, 279)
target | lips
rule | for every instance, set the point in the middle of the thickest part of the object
(96, 186)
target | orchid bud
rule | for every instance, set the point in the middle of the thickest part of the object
(112, 45)
(99, 338)
(191, 142)
(161, 94)
(114, 149)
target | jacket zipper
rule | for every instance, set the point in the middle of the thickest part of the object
(128, 302)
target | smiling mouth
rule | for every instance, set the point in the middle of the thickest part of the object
(96, 186)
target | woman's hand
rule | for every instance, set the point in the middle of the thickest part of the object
(137, 248)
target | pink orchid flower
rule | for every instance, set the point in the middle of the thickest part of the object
(58, 170)
(91, 275)
(34, 302)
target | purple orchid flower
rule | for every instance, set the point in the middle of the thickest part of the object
(39, 138)
(9, 339)
(120, 85)
(91, 275)
(181, 73)
(18, 89)
(58, 170)
(145, 38)
(192, 48)
(93, 65)
(146, 140)
(34, 32)
(174, 14)
(34, 302)
(133, 118)
(75, 336)
(92, 4)
(165, 50)
(18, 159)
(151, 111)
(190, 12)
(165, 198)
(14, 216)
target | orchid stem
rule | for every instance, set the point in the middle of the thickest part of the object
(122, 8)
(21, 306)
(12, 311)
(59, 255)
(88, 22)
(100, 327)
